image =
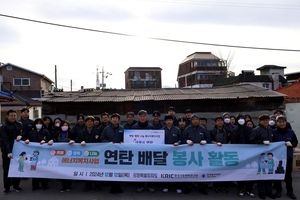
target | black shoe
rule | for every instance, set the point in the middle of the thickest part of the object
(119, 190)
(18, 189)
(225, 190)
(278, 194)
(203, 191)
(186, 190)
(270, 195)
(261, 195)
(97, 188)
(34, 188)
(63, 190)
(6, 192)
(86, 189)
(291, 195)
(113, 190)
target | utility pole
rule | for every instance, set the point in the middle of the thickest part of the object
(104, 75)
(55, 78)
(71, 84)
(97, 80)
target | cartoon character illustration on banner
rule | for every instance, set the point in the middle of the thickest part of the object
(21, 161)
(261, 164)
(270, 163)
(34, 160)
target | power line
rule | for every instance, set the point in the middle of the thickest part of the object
(152, 38)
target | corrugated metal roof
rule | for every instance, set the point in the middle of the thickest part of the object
(225, 92)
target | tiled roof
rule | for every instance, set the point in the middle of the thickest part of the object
(271, 67)
(164, 94)
(200, 56)
(292, 91)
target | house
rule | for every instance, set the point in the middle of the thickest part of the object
(200, 70)
(292, 77)
(271, 82)
(143, 77)
(27, 87)
(208, 102)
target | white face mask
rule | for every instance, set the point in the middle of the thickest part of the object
(241, 121)
(64, 128)
(38, 126)
(57, 124)
(226, 120)
(271, 123)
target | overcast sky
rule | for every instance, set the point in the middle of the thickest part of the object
(77, 53)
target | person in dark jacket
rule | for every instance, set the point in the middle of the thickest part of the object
(279, 112)
(114, 133)
(188, 114)
(156, 122)
(79, 126)
(143, 124)
(41, 135)
(198, 135)
(26, 122)
(227, 123)
(182, 126)
(263, 134)
(219, 135)
(65, 135)
(203, 122)
(49, 124)
(56, 126)
(172, 111)
(272, 122)
(89, 134)
(104, 121)
(10, 130)
(172, 136)
(97, 121)
(283, 133)
(130, 120)
(240, 135)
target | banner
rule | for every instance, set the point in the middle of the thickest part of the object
(150, 163)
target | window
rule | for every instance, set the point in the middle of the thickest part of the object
(202, 77)
(21, 82)
(266, 85)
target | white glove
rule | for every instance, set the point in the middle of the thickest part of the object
(190, 142)
(83, 143)
(19, 138)
(50, 142)
(71, 142)
(27, 141)
(9, 155)
(266, 142)
(289, 144)
(219, 144)
(42, 142)
(175, 144)
(203, 142)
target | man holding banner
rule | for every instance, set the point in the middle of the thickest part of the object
(11, 130)
(262, 134)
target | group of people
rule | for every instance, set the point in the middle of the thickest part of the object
(182, 130)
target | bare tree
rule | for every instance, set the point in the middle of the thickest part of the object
(227, 59)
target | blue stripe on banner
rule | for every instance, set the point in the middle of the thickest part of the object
(155, 162)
